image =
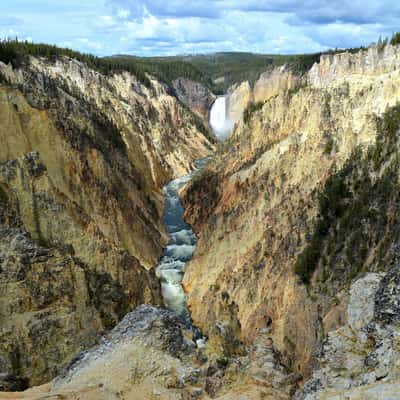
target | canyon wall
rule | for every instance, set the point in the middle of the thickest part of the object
(83, 158)
(148, 355)
(268, 85)
(360, 360)
(200, 99)
(195, 96)
(260, 205)
(237, 99)
(271, 83)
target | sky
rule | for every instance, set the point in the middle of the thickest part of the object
(168, 27)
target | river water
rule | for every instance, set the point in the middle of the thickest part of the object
(182, 240)
(180, 248)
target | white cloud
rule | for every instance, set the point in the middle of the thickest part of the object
(106, 20)
(151, 27)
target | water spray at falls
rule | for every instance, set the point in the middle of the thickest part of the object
(219, 122)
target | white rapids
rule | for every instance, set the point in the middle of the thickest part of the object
(180, 248)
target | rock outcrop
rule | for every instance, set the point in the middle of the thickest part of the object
(268, 85)
(149, 355)
(83, 158)
(196, 96)
(260, 206)
(361, 360)
(271, 83)
(237, 99)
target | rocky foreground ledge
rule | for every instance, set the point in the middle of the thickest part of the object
(149, 355)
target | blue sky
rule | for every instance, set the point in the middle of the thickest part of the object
(166, 27)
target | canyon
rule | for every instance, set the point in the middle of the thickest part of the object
(83, 161)
(289, 251)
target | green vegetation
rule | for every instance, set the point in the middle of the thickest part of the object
(250, 109)
(395, 39)
(3, 196)
(216, 71)
(331, 207)
(17, 52)
(198, 123)
(230, 68)
(351, 50)
(358, 212)
(165, 69)
(111, 136)
(382, 43)
(386, 141)
(221, 70)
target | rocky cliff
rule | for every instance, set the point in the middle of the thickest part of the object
(285, 220)
(148, 355)
(361, 359)
(195, 96)
(83, 157)
(237, 99)
(269, 84)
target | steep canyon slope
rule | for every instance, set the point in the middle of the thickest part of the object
(83, 158)
(295, 277)
(305, 183)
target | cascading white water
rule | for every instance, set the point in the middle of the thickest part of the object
(180, 248)
(218, 118)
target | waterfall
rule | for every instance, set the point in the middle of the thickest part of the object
(218, 121)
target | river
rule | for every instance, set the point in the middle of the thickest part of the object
(180, 248)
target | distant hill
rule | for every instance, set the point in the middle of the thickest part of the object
(219, 71)
(216, 71)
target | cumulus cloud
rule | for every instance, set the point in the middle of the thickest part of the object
(171, 8)
(314, 11)
(255, 25)
(149, 27)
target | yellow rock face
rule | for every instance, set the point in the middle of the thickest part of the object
(238, 97)
(268, 85)
(253, 226)
(272, 83)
